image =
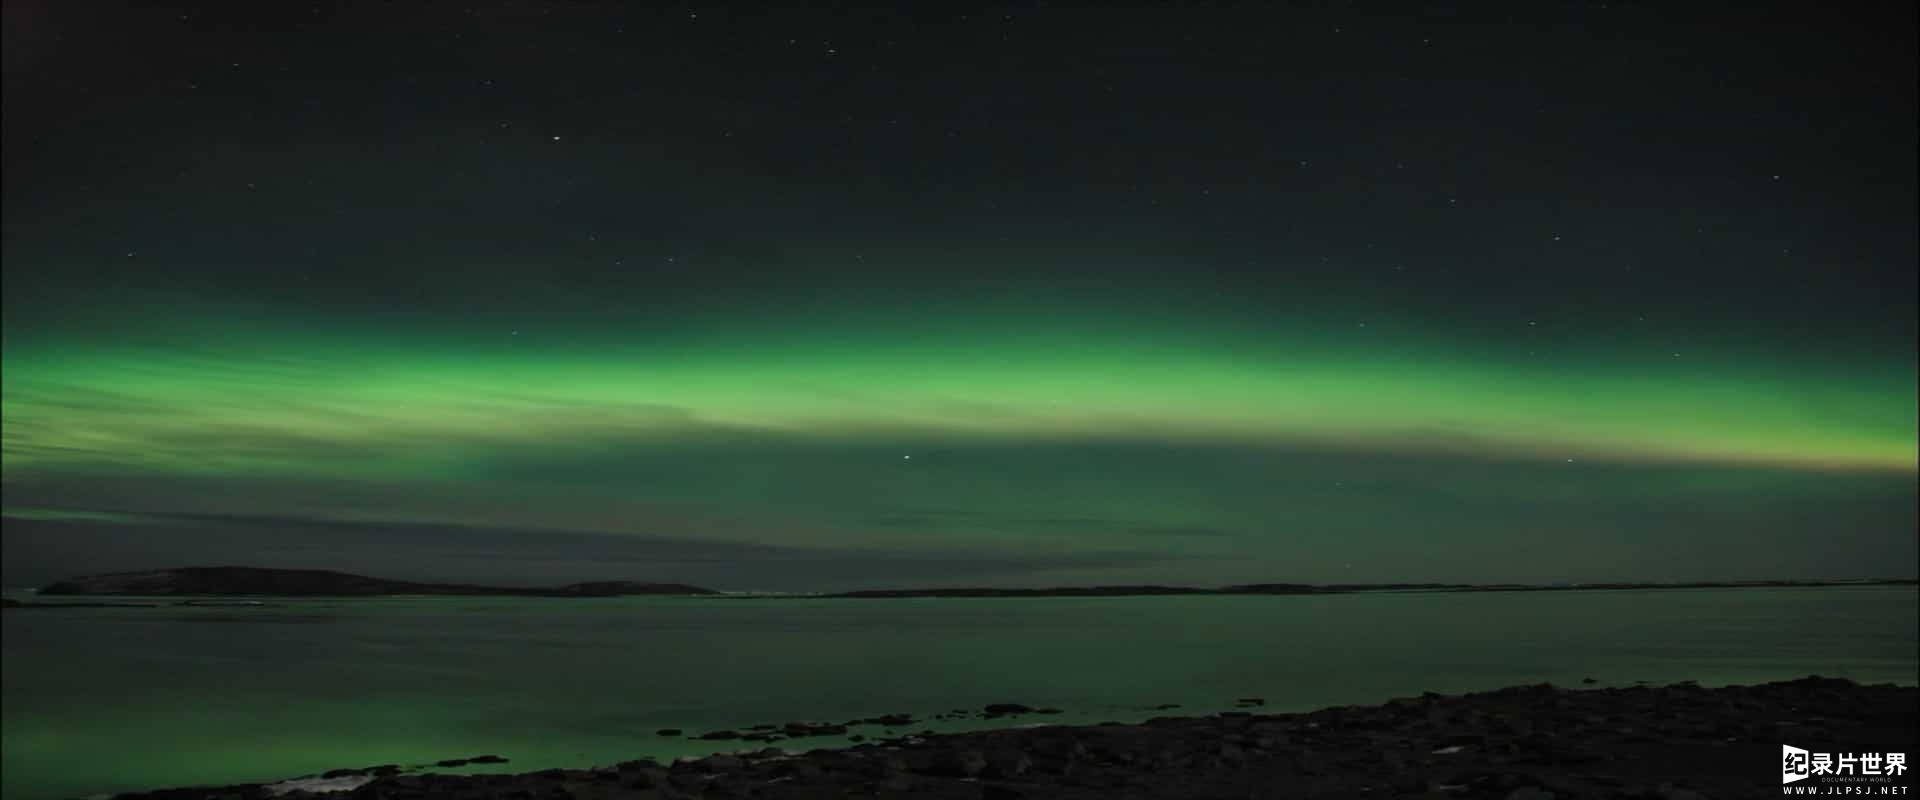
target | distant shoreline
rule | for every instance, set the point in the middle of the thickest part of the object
(263, 582)
(1325, 589)
(232, 581)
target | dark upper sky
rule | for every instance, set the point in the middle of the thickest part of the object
(1234, 292)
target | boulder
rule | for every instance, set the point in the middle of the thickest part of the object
(957, 762)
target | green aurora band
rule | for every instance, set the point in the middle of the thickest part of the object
(259, 402)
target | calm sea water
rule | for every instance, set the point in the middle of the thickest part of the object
(102, 700)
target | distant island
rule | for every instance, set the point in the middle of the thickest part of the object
(257, 581)
(1333, 588)
(264, 582)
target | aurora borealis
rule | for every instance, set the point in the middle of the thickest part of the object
(690, 295)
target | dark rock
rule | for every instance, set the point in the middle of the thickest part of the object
(896, 781)
(1065, 747)
(799, 729)
(668, 732)
(797, 770)
(1007, 763)
(1252, 701)
(1006, 709)
(959, 762)
(719, 735)
(1406, 782)
(722, 763)
(486, 759)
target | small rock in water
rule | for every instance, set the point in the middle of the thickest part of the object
(668, 732)
(303, 785)
(797, 729)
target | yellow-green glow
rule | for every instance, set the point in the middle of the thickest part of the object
(301, 406)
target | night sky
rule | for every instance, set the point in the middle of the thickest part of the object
(1029, 294)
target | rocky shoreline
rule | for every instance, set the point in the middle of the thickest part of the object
(1679, 742)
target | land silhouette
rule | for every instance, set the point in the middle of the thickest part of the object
(235, 581)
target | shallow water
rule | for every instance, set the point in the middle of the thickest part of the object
(115, 699)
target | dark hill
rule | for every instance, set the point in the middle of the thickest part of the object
(324, 583)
